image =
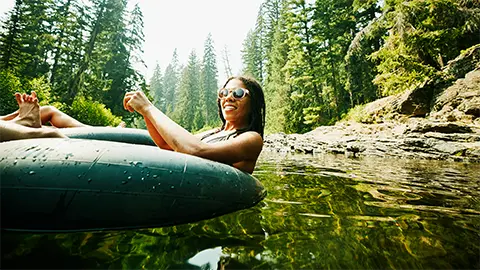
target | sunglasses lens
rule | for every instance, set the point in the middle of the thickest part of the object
(238, 93)
(222, 93)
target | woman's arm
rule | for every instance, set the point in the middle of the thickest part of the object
(157, 138)
(245, 147)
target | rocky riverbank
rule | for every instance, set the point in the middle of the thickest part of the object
(416, 138)
(439, 119)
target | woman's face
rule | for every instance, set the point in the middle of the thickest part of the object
(235, 110)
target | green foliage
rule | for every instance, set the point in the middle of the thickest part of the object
(93, 113)
(330, 56)
(170, 84)
(82, 47)
(65, 48)
(205, 128)
(360, 68)
(156, 89)
(423, 37)
(356, 114)
(188, 112)
(41, 87)
(9, 84)
(277, 91)
(399, 71)
(209, 85)
(139, 122)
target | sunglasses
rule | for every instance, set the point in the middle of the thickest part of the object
(237, 93)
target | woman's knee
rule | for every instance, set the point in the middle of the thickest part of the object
(48, 110)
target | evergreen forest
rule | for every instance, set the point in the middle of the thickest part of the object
(317, 60)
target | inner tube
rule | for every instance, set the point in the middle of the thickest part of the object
(68, 185)
(126, 135)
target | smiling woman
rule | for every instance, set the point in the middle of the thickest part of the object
(238, 142)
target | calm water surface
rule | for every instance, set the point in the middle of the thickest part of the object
(322, 212)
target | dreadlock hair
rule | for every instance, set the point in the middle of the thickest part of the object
(256, 121)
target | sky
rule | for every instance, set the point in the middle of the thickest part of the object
(185, 25)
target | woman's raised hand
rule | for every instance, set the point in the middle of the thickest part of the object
(136, 101)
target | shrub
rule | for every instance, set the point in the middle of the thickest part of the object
(9, 84)
(356, 114)
(41, 87)
(93, 113)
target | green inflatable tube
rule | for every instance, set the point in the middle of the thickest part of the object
(126, 135)
(65, 185)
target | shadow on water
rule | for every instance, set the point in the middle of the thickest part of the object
(321, 212)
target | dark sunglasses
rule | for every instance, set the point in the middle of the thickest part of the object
(237, 93)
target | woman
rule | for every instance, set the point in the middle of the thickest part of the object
(238, 142)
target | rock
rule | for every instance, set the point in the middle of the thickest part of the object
(455, 137)
(415, 138)
(441, 96)
(467, 61)
(459, 102)
(416, 102)
(442, 127)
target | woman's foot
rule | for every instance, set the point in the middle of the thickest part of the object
(29, 110)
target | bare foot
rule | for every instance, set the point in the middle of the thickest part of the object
(29, 110)
(122, 125)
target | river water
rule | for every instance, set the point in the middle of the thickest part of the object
(322, 212)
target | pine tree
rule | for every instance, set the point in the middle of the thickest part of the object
(187, 112)
(156, 89)
(66, 20)
(10, 44)
(278, 105)
(360, 69)
(26, 38)
(125, 50)
(251, 56)
(170, 84)
(106, 41)
(300, 69)
(209, 84)
(71, 22)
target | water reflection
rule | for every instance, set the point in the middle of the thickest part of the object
(321, 212)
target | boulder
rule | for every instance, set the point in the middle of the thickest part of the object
(452, 95)
(459, 102)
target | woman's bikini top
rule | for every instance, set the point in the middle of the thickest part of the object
(211, 138)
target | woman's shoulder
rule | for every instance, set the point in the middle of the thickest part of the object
(251, 136)
(251, 133)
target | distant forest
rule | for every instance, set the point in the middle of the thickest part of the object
(316, 60)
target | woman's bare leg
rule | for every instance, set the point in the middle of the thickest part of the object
(9, 116)
(58, 119)
(47, 114)
(12, 131)
(27, 123)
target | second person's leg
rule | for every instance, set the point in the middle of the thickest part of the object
(58, 119)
